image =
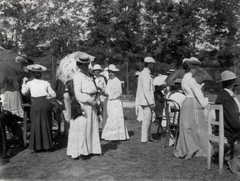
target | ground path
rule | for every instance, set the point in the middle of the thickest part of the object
(129, 160)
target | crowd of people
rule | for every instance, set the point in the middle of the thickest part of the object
(93, 107)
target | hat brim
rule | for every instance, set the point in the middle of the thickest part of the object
(39, 68)
(227, 79)
(83, 60)
(96, 69)
(113, 70)
(190, 62)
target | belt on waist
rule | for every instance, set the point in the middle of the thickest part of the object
(41, 97)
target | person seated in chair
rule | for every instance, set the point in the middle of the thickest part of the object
(177, 94)
(231, 109)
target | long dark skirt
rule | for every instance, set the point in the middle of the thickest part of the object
(41, 124)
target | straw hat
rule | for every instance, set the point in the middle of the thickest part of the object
(112, 68)
(192, 61)
(36, 68)
(97, 67)
(227, 75)
(82, 58)
(149, 60)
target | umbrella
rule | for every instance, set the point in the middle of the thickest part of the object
(67, 67)
(8, 64)
(179, 73)
(201, 75)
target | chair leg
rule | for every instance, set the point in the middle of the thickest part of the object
(221, 153)
(209, 155)
(231, 150)
(159, 127)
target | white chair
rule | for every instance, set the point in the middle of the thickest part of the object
(218, 138)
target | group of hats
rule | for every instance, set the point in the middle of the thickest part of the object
(111, 67)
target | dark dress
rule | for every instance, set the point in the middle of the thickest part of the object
(41, 124)
(40, 113)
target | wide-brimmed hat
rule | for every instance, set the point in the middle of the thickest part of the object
(177, 80)
(82, 58)
(227, 75)
(149, 60)
(36, 68)
(192, 61)
(112, 68)
(97, 67)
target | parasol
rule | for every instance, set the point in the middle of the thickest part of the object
(201, 75)
(67, 66)
(8, 64)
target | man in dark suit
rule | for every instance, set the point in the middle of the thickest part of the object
(230, 105)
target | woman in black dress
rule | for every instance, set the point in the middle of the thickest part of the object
(40, 115)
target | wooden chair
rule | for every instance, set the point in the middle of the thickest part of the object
(172, 112)
(218, 138)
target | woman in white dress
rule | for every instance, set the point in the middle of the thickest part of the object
(83, 138)
(114, 129)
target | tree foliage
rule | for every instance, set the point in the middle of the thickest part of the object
(124, 31)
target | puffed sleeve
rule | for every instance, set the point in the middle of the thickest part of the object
(80, 96)
(25, 88)
(196, 88)
(50, 91)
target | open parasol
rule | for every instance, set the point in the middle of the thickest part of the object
(11, 63)
(67, 66)
(201, 75)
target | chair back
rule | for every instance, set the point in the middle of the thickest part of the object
(172, 112)
(216, 122)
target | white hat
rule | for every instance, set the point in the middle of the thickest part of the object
(227, 75)
(82, 58)
(149, 60)
(97, 67)
(192, 61)
(36, 68)
(112, 68)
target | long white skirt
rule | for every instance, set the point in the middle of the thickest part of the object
(115, 128)
(83, 138)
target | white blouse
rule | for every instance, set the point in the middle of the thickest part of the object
(114, 88)
(38, 88)
(192, 89)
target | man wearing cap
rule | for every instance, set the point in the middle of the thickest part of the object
(145, 98)
(230, 105)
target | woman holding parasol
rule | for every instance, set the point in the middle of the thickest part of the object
(83, 138)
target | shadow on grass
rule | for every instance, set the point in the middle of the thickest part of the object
(111, 145)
